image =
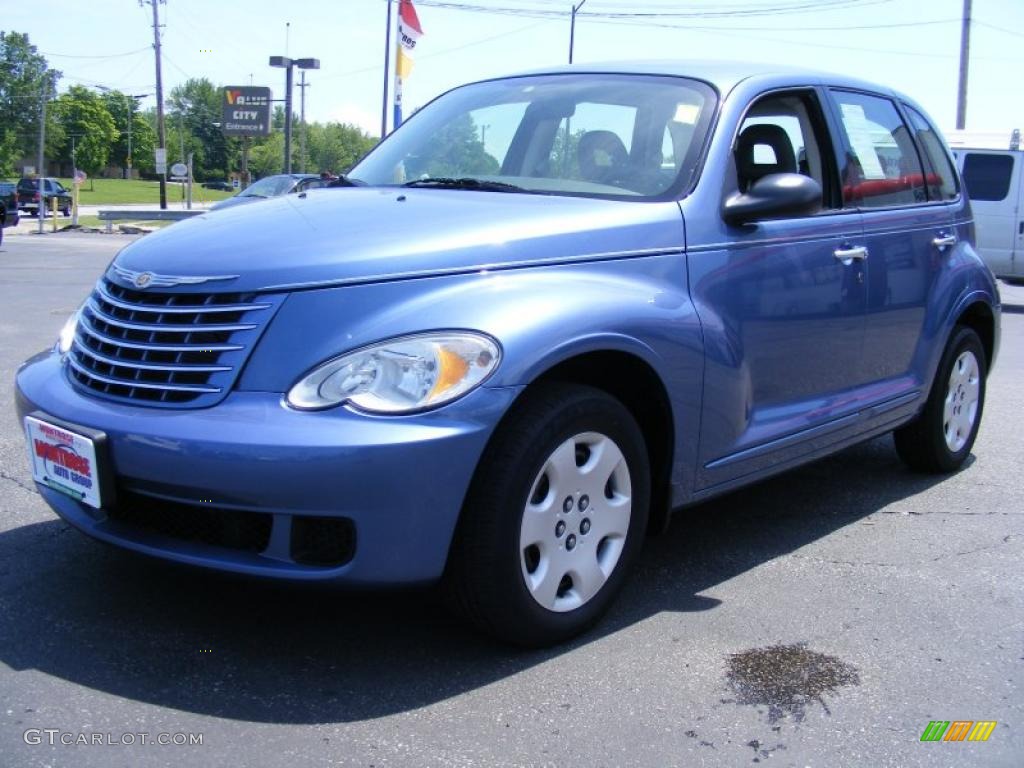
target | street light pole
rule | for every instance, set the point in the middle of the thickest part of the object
(287, 64)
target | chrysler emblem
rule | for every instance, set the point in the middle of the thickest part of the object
(155, 280)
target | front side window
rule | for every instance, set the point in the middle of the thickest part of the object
(784, 133)
(882, 167)
(987, 177)
(592, 135)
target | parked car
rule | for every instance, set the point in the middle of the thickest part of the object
(8, 206)
(991, 169)
(222, 185)
(497, 364)
(271, 186)
(30, 194)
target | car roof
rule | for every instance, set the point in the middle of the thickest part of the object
(723, 75)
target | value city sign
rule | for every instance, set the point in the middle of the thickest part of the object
(246, 111)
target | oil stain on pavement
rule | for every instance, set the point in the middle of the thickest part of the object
(787, 678)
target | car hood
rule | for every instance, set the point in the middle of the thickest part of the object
(357, 235)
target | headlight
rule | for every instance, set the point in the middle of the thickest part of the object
(402, 375)
(67, 333)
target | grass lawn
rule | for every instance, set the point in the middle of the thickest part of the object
(94, 221)
(107, 191)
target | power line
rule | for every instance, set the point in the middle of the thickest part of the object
(748, 11)
(105, 56)
(997, 29)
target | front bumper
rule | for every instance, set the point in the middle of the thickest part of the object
(400, 481)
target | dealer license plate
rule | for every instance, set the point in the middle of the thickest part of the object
(63, 460)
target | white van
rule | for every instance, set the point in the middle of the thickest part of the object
(990, 165)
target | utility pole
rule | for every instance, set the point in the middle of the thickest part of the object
(965, 56)
(160, 128)
(387, 58)
(41, 160)
(572, 26)
(302, 118)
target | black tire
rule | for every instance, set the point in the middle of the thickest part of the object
(485, 578)
(66, 210)
(922, 442)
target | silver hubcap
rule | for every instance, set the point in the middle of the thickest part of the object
(961, 406)
(575, 522)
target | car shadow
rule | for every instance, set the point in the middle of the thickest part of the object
(264, 652)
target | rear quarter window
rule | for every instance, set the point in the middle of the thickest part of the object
(987, 177)
(940, 178)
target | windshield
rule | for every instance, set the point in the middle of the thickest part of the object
(618, 136)
(270, 186)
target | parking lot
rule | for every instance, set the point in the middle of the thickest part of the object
(822, 618)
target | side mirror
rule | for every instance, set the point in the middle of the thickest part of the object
(774, 196)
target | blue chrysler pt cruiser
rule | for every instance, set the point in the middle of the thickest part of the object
(546, 311)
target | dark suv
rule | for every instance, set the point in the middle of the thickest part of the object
(29, 195)
(8, 206)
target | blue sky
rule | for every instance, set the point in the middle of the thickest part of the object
(911, 45)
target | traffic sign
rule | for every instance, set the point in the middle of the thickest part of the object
(80, 177)
(179, 169)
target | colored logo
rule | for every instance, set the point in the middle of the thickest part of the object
(958, 730)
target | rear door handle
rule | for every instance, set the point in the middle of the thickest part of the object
(845, 254)
(944, 240)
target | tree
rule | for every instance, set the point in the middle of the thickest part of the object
(89, 128)
(267, 158)
(24, 78)
(455, 150)
(122, 108)
(195, 113)
(336, 146)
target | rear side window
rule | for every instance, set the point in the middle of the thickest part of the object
(940, 178)
(882, 166)
(987, 177)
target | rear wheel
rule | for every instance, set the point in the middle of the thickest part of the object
(941, 437)
(554, 518)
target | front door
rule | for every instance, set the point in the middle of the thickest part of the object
(782, 305)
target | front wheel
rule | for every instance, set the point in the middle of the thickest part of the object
(555, 516)
(940, 438)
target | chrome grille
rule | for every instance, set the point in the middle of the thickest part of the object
(174, 349)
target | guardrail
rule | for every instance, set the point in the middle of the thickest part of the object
(134, 215)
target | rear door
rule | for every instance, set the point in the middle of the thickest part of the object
(885, 180)
(993, 179)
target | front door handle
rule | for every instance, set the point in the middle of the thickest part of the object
(845, 254)
(943, 241)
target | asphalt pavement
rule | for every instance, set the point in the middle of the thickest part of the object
(822, 618)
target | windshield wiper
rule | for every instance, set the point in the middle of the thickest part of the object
(465, 182)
